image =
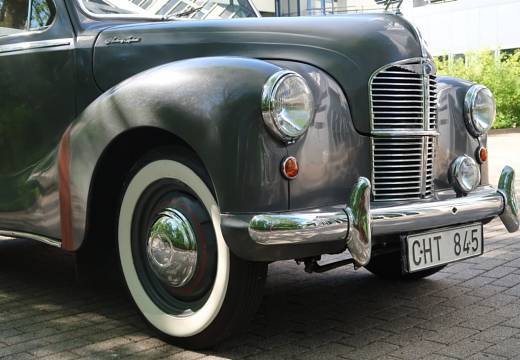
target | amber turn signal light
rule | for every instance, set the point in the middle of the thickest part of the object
(482, 154)
(290, 167)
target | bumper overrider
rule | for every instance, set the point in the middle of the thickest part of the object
(277, 236)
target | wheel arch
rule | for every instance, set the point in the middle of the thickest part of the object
(112, 169)
(210, 105)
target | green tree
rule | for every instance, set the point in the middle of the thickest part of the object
(501, 75)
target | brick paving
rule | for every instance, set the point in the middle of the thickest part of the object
(470, 310)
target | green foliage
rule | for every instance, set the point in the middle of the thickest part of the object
(500, 75)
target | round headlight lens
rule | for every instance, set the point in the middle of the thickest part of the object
(480, 109)
(465, 174)
(287, 105)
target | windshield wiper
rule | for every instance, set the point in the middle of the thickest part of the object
(182, 13)
(396, 4)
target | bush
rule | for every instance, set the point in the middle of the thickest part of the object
(501, 76)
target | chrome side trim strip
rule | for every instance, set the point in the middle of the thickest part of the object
(22, 235)
(29, 45)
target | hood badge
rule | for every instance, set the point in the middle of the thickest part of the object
(127, 40)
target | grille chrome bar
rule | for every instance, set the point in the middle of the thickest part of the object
(403, 109)
(397, 133)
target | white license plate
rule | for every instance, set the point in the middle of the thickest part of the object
(443, 246)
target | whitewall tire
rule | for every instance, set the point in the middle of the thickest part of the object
(178, 311)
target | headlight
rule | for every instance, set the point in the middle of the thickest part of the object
(480, 109)
(287, 105)
(465, 174)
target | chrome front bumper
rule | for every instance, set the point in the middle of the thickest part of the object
(358, 223)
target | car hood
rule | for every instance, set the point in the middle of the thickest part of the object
(349, 48)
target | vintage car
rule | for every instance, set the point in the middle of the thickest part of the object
(193, 147)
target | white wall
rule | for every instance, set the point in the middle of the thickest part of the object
(468, 25)
(265, 5)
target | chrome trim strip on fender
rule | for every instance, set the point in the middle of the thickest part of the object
(30, 45)
(22, 235)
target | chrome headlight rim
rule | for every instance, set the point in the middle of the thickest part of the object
(269, 91)
(469, 107)
(455, 170)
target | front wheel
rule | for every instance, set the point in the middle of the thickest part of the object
(176, 264)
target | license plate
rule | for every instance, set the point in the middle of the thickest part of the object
(443, 246)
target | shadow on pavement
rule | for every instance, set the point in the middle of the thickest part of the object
(42, 301)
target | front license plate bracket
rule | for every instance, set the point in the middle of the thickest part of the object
(435, 249)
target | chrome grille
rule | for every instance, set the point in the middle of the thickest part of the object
(404, 123)
(432, 105)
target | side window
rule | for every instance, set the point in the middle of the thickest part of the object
(42, 14)
(25, 15)
(13, 16)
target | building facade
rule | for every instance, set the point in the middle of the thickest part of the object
(478, 24)
(462, 26)
(322, 7)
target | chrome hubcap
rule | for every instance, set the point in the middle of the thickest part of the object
(172, 248)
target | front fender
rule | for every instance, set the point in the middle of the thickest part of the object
(212, 104)
(454, 139)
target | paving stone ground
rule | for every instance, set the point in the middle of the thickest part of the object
(470, 310)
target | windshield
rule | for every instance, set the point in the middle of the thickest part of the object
(170, 9)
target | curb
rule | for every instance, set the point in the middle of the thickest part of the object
(504, 131)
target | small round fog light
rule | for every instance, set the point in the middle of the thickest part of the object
(290, 167)
(465, 174)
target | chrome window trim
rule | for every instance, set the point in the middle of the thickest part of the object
(39, 44)
(27, 32)
(23, 235)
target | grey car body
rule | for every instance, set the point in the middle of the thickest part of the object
(83, 99)
(231, 60)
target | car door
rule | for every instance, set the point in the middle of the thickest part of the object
(36, 106)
